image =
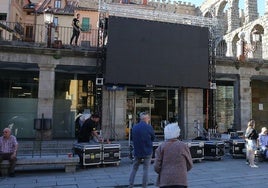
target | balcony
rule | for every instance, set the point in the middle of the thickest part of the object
(37, 36)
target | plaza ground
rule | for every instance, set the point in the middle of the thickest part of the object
(225, 173)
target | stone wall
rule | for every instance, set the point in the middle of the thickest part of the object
(193, 110)
(114, 110)
(260, 103)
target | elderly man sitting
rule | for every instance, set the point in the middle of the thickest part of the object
(8, 150)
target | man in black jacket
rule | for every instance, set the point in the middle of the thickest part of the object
(89, 129)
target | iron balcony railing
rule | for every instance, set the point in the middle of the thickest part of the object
(44, 35)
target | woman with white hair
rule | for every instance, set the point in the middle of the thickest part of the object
(263, 141)
(173, 159)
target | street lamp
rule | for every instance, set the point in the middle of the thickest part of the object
(48, 19)
(243, 48)
(256, 36)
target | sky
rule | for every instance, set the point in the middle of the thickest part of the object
(261, 4)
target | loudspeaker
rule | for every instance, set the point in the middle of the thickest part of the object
(38, 124)
(42, 124)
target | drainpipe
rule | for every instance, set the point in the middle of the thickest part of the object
(8, 12)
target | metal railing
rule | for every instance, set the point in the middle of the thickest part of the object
(38, 35)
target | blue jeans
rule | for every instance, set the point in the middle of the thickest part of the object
(146, 164)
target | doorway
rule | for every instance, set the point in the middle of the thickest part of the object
(162, 104)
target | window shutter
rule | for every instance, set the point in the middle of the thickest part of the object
(85, 24)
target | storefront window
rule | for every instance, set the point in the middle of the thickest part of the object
(162, 104)
(18, 84)
(73, 94)
(18, 101)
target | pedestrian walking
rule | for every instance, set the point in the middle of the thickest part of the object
(142, 136)
(173, 159)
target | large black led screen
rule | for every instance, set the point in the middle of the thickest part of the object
(142, 52)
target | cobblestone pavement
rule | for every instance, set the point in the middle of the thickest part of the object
(225, 173)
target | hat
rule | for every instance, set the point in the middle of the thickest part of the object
(171, 131)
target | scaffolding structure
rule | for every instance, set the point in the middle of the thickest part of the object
(149, 13)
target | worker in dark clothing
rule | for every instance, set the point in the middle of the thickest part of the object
(89, 129)
(76, 29)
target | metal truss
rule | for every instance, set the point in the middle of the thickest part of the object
(149, 13)
(101, 58)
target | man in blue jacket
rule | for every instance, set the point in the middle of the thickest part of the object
(142, 137)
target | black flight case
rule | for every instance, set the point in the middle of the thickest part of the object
(196, 149)
(237, 148)
(111, 154)
(214, 149)
(90, 154)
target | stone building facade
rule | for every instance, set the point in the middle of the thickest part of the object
(241, 75)
(252, 69)
(237, 98)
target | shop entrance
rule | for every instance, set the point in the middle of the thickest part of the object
(162, 104)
